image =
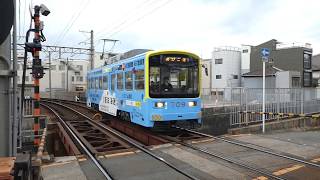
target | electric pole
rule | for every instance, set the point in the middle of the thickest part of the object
(67, 86)
(50, 94)
(92, 52)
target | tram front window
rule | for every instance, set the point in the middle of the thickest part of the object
(173, 76)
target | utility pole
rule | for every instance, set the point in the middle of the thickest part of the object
(92, 52)
(67, 89)
(50, 93)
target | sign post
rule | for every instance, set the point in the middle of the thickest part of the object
(265, 57)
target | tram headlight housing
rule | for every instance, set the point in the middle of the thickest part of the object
(159, 104)
(192, 103)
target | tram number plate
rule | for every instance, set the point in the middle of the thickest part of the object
(178, 104)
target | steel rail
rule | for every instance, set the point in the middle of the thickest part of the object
(253, 169)
(243, 144)
(91, 156)
(130, 141)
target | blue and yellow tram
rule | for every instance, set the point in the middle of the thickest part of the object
(156, 87)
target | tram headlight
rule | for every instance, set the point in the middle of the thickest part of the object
(159, 104)
(192, 103)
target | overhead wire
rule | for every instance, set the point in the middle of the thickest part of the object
(121, 26)
(123, 19)
(71, 23)
(128, 14)
(140, 18)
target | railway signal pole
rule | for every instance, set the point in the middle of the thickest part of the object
(37, 68)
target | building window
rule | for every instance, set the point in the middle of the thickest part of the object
(218, 76)
(53, 67)
(61, 67)
(235, 77)
(18, 66)
(139, 79)
(113, 81)
(72, 78)
(218, 61)
(79, 78)
(128, 75)
(245, 51)
(27, 78)
(105, 82)
(80, 67)
(306, 61)
(307, 79)
(295, 82)
(220, 93)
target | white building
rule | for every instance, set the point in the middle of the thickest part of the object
(226, 64)
(72, 78)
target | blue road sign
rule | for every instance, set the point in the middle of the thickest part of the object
(265, 52)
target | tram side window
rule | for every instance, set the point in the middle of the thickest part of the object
(128, 76)
(120, 81)
(113, 81)
(105, 82)
(97, 83)
(93, 83)
(100, 83)
(139, 79)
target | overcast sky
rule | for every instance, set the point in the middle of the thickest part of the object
(194, 25)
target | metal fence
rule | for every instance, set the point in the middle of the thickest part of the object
(70, 96)
(278, 100)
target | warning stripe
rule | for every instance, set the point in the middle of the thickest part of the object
(286, 170)
(281, 114)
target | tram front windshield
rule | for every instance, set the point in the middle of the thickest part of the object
(173, 76)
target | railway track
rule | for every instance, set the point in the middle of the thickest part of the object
(184, 135)
(245, 145)
(82, 146)
(257, 148)
(119, 135)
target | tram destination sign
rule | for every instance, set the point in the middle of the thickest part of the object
(177, 60)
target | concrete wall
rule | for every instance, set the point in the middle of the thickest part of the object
(284, 78)
(5, 135)
(256, 82)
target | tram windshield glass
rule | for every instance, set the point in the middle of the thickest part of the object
(173, 76)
